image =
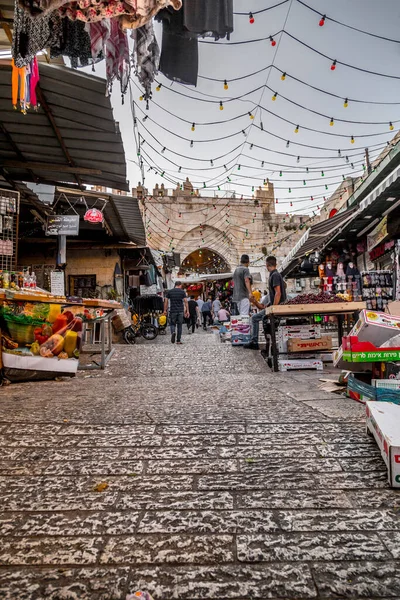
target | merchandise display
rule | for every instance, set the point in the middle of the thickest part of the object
(383, 423)
(377, 289)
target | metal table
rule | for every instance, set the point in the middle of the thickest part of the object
(338, 310)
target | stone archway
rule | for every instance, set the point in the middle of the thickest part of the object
(211, 239)
(205, 260)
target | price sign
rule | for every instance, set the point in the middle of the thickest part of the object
(57, 286)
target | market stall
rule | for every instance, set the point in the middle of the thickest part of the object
(43, 335)
(286, 348)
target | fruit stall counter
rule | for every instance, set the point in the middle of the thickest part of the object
(43, 336)
(298, 311)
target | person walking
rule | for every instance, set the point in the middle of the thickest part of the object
(216, 307)
(193, 314)
(242, 286)
(178, 310)
(276, 295)
(206, 313)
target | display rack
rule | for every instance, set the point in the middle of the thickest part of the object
(377, 289)
(9, 214)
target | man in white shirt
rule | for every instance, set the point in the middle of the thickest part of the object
(216, 307)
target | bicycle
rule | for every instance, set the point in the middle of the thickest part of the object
(139, 328)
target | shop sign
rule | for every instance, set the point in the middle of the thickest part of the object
(381, 250)
(377, 235)
(93, 215)
(62, 225)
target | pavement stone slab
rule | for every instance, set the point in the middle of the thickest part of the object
(229, 582)
(51, 551)
(370, 579)
(208, 521)
(71, 523)
(177, 500)
(339, 520)
(295, 547)
(166, 549)
(299, 499)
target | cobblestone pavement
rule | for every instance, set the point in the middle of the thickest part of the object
(225, 481)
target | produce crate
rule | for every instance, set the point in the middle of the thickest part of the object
(299, 345)
(356, 351)
(294, 364)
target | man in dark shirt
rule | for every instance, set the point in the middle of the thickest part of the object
(206, 313)
(178, 309)
(193, 312)
(277, 289)
(277, 295)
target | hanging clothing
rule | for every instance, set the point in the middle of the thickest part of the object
(146, 10)
(18, 85)
(211, 18)
(179, 54)
(74, 43)
(107, 38)
(30, 35)
(34, 80)
(136, 12)
(145, 56)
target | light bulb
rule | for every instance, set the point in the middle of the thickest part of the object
(290, 190)
(352, 140)
(141, 98)
(331, 122)
(271, 39)
(251, 116)
(163, 150)
(283, 76)
(287, 144)
(304, 182)
(193, 126)
(226, 86)
(221, 106)
(391, 127)
(346, 103)
(297, 129)
(322, 174)
(238, 168)
(158, 88)
(298, 159)
(251, 18)
(280, 173)
(333, 65)
(322, 21)
(274, 96)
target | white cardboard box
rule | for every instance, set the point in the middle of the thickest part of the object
(289, 364)
(375, 327)
(383, 421)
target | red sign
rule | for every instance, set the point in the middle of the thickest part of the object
(93, 215)
(381, 250)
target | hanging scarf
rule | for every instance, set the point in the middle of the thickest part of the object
(107, 37)
(145, 56)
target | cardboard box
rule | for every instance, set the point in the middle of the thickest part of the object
(393, 308)
(299, 345)
(302, 332)
(293, 364)
(383, 421)
(375, 327)
(356, 351)
(238, 339)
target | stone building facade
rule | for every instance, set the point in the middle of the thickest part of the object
(185, 220)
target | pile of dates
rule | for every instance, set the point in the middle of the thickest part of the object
(320, 298)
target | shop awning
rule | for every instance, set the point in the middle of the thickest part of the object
(122, 213)
(71, 139)
(315, 238)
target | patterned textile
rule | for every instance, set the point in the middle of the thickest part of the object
(30, 36)
(107, 38)
(74, 43)
(145, 56)
(136, 12)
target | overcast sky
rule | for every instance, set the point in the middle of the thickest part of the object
(227, 61)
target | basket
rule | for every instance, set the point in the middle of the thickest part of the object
(21, 334)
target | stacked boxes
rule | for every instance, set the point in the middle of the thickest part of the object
(240, 328)
(383, 422)
(302, 332)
